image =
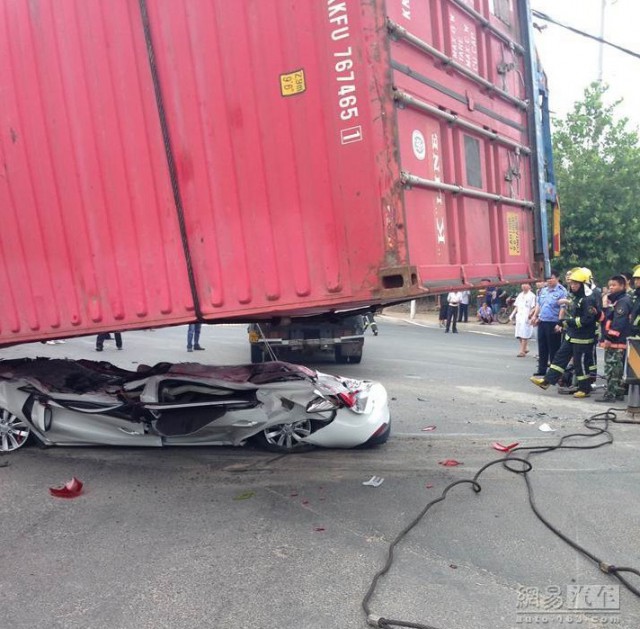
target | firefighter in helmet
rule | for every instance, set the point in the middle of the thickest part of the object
(635, 313)
(591, 368)
(579, 335)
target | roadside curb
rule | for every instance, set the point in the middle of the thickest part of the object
(431, 322)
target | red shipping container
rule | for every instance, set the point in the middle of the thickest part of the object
(167, 160)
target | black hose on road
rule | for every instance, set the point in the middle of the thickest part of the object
(517, 465)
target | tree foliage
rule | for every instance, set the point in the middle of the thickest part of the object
(597, 159)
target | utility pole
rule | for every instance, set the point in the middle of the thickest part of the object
(603, 4)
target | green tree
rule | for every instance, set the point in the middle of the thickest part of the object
(597, 159)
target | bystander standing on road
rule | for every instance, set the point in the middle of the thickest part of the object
(442, 313)
(546, 317)
(523, 307)
(453, 304)
(463, 315)
(193, 337)
(105, 336)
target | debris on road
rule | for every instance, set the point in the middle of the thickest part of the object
(374, 481)
(245, 495)
(546, 428)
(502, 448)
(429, 485)
(449, 463)
(71, 489)
(428, 428)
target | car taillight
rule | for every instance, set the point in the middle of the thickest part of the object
(348, 399)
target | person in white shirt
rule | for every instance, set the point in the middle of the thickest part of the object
(463, 314)
(453, 304)
(524, 305)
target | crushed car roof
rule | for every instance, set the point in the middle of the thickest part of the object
(80, 376)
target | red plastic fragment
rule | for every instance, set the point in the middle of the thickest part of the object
(71, 489)
(429, 485)
(502, 448)
(449, 463)
(428, 428)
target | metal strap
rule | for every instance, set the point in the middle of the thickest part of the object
(173, 173)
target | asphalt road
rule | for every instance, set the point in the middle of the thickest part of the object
(237, 538)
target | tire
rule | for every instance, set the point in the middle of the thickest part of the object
(282, 437)
(503, 315)
(356, 359)
(14, 433)
(257, 355)
(340, 359)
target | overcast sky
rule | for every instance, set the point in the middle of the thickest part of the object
(571, 61)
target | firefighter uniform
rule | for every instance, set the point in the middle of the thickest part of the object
(579, 336)
(593, 366)
(635, 303)
(617, 328)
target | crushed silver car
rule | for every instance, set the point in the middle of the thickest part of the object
(280, 406)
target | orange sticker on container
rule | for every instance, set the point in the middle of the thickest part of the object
(292, 83)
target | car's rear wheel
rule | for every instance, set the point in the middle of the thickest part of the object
(14, 433)
(286, 437)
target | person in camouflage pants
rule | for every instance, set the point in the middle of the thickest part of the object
(616, 329)
(613, 372)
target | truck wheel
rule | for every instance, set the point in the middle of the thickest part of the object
(356, 358)
(340, 359)
(257, 355)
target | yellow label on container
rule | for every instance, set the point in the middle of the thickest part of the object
(292, 83)
(513, 233)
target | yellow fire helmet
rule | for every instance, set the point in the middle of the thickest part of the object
(580, 275)
(636, 270)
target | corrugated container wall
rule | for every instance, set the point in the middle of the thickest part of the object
(167, 160)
